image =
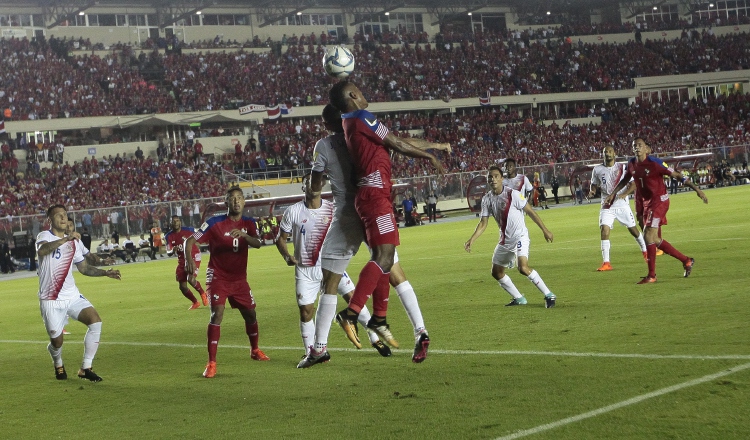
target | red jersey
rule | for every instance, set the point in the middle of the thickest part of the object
(364, 139)
(176, 241)
(228, 254)
(649, 178)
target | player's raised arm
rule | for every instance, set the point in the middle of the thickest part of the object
(481, 226)
(404, 146)
(538, 220)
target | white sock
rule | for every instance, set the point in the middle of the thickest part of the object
(537, 281)
(56, 354)
(364, 318)
(323, 319)
(507, 284)
(409, 300)
(641, 242)
(91, 344)
(307, 330)
(605, 250)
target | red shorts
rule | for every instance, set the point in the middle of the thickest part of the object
(238, 294)
(181, 274)
(376, 212)
(639, 213)
(655, 214)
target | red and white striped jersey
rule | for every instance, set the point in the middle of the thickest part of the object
(507, 209)
(56, 269)
(308, 228)
(519, 183)
(607, 179)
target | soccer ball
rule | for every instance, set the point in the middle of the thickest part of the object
(338, 62)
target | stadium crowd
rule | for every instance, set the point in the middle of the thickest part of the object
(478, 138)
(65, 85)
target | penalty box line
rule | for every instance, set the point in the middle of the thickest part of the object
(432, 351)
(624, 403)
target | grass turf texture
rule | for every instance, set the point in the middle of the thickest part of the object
(492, 371)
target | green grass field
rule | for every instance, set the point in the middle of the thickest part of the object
(613, 360)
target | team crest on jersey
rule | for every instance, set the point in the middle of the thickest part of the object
(647, 171)
(304, 221)
(244, 230)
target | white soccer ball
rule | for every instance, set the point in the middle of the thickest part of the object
(338, 62)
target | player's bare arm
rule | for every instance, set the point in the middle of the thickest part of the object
(538, 220)
(404, 146)
(481, 226)
(189, 261)
(592, 190)
(95, 260)
(689, 183)
(628, 191)
(93, 271)
(611, 198)
(284, 250)
(427, 145)
(50, 246)
(252, 241)
(317, 180)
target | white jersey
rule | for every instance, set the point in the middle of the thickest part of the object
(308, 228)
(507, 209)
(330, 155)
(607, 179)
(56, 269)
(519, 183)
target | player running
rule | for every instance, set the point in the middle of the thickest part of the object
(652, 204)
(229, 236)
(606, 176)
(175, 239)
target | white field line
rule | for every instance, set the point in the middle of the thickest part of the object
(624, 403)
(445, 352)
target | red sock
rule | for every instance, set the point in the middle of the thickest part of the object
(671, 251)
(198, 287)
(366, 285)
(252, 334)
(188, 294)
(381, 294)
(214, 333)
(651, 253)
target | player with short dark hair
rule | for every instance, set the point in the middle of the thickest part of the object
(368, 142)
(59, 297)
(606, 176)
(508, 206)
(229, 236)
(653, 203)
(175, 239)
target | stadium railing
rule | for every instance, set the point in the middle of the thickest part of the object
(451, 189)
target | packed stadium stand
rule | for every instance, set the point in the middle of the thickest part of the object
(556, 87)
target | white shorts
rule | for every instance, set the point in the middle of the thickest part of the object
(623, 215)
(345, 235)
(55, 313)
(308, 279)
(506, 255)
